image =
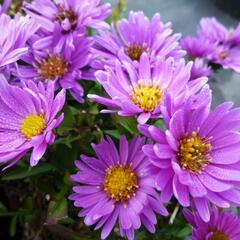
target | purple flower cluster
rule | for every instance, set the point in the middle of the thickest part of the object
(215, 43)
(41, 54)
(194, 157)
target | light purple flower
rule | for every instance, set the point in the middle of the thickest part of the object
(223, 225)
(58, 64)
(197, 47)
(200, 69)
(216, 43)
(116, 187)
(198, 156)
(67, 18)
(132, 37)
(140, 92)
(14, 35)
(27, 119)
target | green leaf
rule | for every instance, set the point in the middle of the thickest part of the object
(69, 119)
(113, 133)
(13, 226)
(58, 210)
(184, 232)
(128, 123)
(24, 173)
(66, 221)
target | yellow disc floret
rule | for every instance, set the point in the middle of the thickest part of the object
(33, 125)
(147, 96)
(120, 183)
(193, 152)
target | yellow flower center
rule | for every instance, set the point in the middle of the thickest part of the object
(33, 125)
(52, 67)
(193, 152)
(217, 235)
(147, 97)
(120, 183)
(134, 51)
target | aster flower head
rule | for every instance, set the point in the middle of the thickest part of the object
(140, 92)
(132, 37)
(14, 35)
(223, 225)
(62, 65)
(115, 187)
(197, 47)
(66, 18)
(27, 118)
(198, 155)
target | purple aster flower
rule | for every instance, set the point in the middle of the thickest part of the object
(197, 47)
(58, 64)
(66, 18)
(116, 187)
(140, 92)
(198, 154)
(223, 225)
(14, 34)
(216, 43)
(27, 120)
(132, 37)
(200, 69)
(213, 30)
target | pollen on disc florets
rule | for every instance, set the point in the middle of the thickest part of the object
(146, 96)
(217, 235)
(33, 125)
(223, 55)
(193, 152)
(66, 14)
(120, 183)
(52, 67)
(135, 50)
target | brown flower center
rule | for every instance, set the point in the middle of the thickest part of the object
(52, 67)
(193, 152)
(120, 183)
(66, 14)
(134, 51)
(217, 235)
